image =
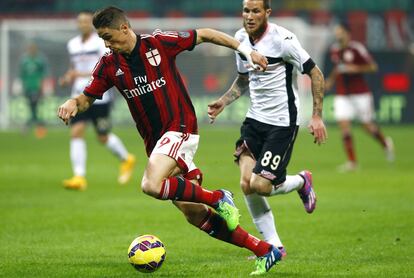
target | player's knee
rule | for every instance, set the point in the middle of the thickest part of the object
(245, 185)
(103, 138)
(150, 188)
(261, 188)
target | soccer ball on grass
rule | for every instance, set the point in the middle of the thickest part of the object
(146, 253)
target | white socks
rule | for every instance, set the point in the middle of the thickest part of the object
(115, 145)
(263, 218)
(292, 183)
(78, 152)
(78, 156)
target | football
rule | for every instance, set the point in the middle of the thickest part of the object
(146, 253)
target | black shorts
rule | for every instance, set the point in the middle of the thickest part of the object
(271, 146)
(99, 115)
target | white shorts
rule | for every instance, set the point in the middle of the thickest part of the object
(349, 107)
(179, 146)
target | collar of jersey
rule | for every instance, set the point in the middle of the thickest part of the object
(135, 51)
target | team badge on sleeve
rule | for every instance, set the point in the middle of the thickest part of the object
(90, 81)
(154, 57)
(184, 34)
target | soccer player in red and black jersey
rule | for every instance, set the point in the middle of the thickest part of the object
(353, 97)
(143, 69)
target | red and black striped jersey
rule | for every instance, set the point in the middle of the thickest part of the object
(151, 84)
(354, 53)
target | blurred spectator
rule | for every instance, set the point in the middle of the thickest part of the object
(33, 70)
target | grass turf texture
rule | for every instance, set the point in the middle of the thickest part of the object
(362, 227)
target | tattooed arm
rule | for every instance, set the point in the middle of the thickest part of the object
(316, 125)
(238, 88)
(318, 90)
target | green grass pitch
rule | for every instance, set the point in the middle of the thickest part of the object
(363, 225)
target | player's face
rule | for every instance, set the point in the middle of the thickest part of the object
(32, 49)
(85, 23)
(341, 35)
(115, 39)
(255, 17)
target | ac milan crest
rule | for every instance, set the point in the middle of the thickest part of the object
(154, 57)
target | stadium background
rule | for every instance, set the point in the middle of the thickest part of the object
(386, 27)
(364, 222)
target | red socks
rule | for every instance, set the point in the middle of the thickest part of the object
(380, 138)
(180, 189)
(349, 147)
(216, 227)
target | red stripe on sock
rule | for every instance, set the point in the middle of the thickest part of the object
(243, 239)
(183, 190)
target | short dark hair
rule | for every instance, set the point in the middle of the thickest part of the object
(110, 17)
(266, 4)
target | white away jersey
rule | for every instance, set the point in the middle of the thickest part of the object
(83, 57)
(273, 93)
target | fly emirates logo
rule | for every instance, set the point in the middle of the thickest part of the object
(143, 87)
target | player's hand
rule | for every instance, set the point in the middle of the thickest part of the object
(317, 129)
(258, 61)
(67, 110)
(215, 108)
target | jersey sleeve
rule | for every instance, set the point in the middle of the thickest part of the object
(240, 59)
(363, 56)
(294, 54)
(240, 63)
(100, 81)
(175, 42)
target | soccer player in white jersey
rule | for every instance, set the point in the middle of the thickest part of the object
(271, 125)
(85, 51)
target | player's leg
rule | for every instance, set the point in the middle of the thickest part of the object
(178, 149)
(257, 205)
(365, 108)
(157, 182)
(344, 113)
(269, 174)
(102, 123)
(77, 154)
(32, 99)
(209, 221)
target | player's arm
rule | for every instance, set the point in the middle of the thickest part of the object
(239, 87)
(316, 125)
(73, 106)
(330, 80)
(70, 75)
(220, 38)
(370, 67)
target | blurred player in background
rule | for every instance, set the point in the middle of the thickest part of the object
(271, 125)
(85, 51)
(143, 69)
(33, 71)
(353, 97)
